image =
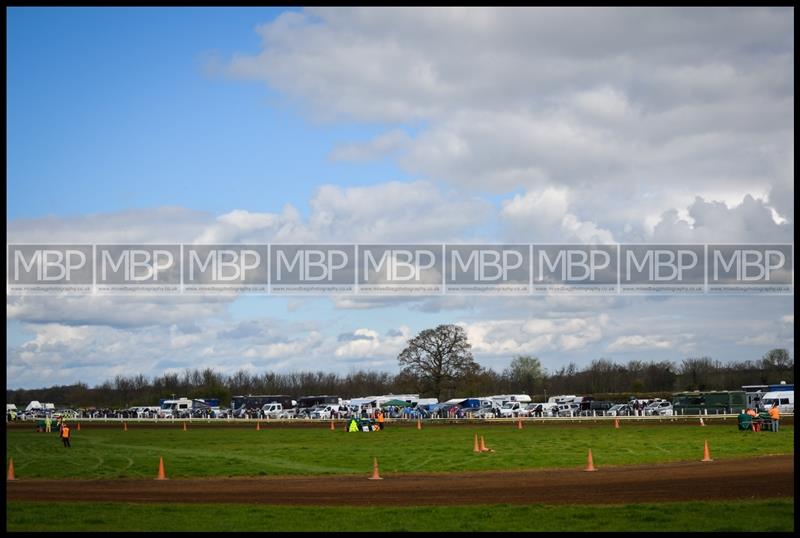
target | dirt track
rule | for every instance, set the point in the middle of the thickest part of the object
(764, 477)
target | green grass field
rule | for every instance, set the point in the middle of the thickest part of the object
(112, 453)
(677, 517)
(109, 453)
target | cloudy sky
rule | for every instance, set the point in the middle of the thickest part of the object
(399, 125)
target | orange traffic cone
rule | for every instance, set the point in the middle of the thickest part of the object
(476, 448)
(184, 426)
(706, 455)
(483, 445)
(161, 475)
(419, 424)
(590, 464)
(124, 426)
(11, 469)
(258, 426)
(375, 475)
(332, 426)
(519, 424)
(701, 422)
(616, 423)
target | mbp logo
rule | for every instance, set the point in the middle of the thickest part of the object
(410, 268)
(312, 268)
(750, 266)
(137, 266)
(575, 268)
(68, 267)
(664, 267)
(240, 267)
(487, 268)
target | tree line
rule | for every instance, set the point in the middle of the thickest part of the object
(602, 378)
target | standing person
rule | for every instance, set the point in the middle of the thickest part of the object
(753, 416)
(47, 424)
(380, 420)
(775, 415)
(65, 435)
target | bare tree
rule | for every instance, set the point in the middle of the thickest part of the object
(439, 357)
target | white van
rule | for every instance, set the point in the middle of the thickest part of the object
(784, 399)
(513, 409)
(175, 408)
(276, 410)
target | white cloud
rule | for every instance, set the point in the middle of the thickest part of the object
(751, 220)
(546, 213)
(115, 311)
(531, 125)
(507, 337)
(633, 112)
(640, 341)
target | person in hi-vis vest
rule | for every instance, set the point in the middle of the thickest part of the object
(65, 435)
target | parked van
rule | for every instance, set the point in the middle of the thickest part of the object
(569, 409)
(175, 408)
(513, 409)
(784, 399)
(277, 411)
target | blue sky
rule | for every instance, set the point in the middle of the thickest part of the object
(126, 108)
(394, 125)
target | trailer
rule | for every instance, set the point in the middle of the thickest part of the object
(709, 402)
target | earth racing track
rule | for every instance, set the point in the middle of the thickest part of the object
(683, 481)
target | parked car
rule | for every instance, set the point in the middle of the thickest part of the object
(324, 412)
(659, 408)
(619, 410)
(535, 410)
(487, 412)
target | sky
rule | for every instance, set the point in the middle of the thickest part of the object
(574, 125)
